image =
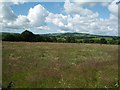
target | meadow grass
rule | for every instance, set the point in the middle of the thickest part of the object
(59, 65)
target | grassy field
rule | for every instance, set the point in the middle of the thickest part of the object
(59, 65)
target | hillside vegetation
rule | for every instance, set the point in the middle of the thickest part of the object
(28, 36)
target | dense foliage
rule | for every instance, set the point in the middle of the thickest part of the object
(28, 36)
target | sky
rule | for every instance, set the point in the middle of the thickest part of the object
(93, 17)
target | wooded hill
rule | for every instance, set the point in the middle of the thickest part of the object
(28, 36)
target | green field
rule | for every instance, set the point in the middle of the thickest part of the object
(59, 65)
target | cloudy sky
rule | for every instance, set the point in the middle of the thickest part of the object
(58, 17)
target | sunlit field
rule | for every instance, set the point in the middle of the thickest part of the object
(59, 65)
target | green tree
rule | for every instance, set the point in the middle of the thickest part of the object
(86, 40)
(9, 37)
(103, 41)
(27, 36)
(70, 39)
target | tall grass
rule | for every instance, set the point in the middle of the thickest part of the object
(60, 65)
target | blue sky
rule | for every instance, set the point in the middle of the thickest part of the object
(54, 7)
(103, 11)
(57, 7)
(59, 17)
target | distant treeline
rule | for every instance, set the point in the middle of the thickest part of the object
(28, 36)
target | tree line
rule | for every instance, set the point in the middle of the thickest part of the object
(28, 36)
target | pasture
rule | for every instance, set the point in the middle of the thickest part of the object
(59, 65)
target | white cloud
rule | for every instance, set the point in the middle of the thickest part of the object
(84, 1)
(37, 15)
(6, 13)
(35, 18)
(20, 23)
(57, 19)
(22, 19)
(89, 22)
(78, 19)
(113, 7)
(73, 8)
(104, 4)
(43, 28)
(10, 2)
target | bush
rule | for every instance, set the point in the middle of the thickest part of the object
(103, 41)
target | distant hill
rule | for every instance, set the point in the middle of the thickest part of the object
(75, 34)
(60, 37)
